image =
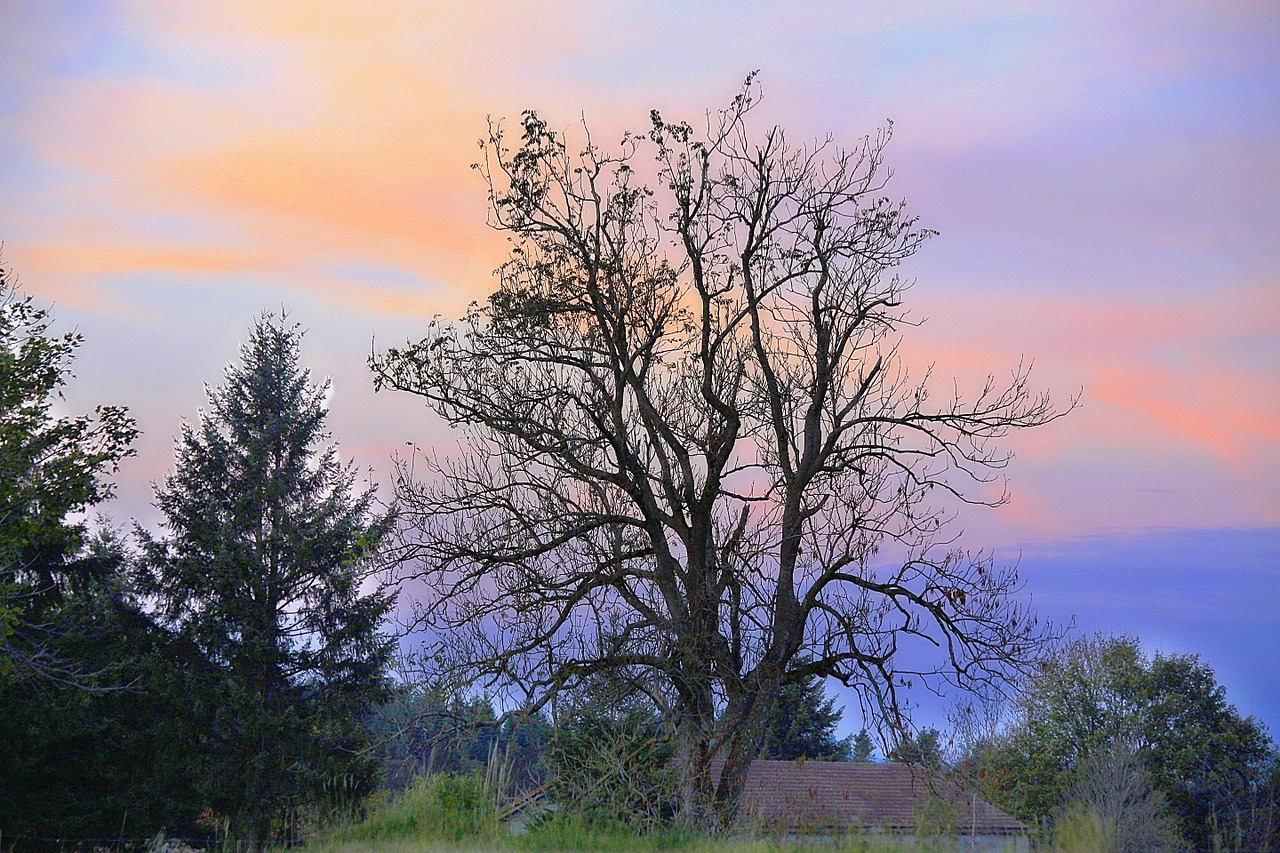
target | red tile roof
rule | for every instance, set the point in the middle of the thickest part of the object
(815, 795)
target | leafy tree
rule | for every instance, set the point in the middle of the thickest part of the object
(1102, 696)
(52, 469)
(692, 448)
(802, 724)
(268, 547)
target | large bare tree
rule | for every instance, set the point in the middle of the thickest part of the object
(690, 453)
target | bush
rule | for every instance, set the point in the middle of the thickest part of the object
(615, 769)
(1114, 807)
(434, 808)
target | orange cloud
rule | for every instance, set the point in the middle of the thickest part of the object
(1227, 414)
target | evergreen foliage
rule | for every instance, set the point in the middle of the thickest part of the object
(97, 702)
(802, 724)
(422, 732)
(614, 766)
(269, 546)
(924, 748)
(862, 748)
(109, 755)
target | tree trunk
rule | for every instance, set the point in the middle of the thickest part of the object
(744, 718)
(694, 729)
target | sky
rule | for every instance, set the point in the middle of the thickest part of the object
(1104, 178)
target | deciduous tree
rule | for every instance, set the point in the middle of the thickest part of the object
(691, 448)
(1102, 696)
(52, 469)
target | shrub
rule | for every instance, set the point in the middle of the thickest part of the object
(442, 807)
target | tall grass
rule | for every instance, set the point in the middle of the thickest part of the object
(439, 808)
(557, 831)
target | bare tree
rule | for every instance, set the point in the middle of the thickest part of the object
(689, 448)
(1114, 803)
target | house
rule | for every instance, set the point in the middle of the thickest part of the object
(825, 797)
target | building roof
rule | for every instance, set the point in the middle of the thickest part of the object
(815, 795)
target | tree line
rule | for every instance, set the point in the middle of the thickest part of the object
(228, 661)
(695, 479)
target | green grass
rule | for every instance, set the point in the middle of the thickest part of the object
(700, 845)
(440, 809)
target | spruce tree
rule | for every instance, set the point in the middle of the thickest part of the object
(803, 724)
(269, 545)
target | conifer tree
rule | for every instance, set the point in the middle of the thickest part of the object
(269, 545)
(803, 724)
(863, 748)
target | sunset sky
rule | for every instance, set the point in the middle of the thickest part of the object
(1105, 178)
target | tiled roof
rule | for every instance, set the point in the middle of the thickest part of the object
(809, 795)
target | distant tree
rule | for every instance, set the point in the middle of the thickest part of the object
(268, 547)
(863, 747)
(924, 748)
(421, 732)
(1101, 695)
(802, 724)
(692, 446)
(52, 469)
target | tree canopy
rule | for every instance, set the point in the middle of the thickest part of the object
(96, 701)
(803, 724)
(52, 469)
(1102, 696)
(691, 448)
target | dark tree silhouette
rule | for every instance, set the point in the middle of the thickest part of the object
(52, 469)
(802, 724)
(690, 444)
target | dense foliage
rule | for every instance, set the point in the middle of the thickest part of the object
(52, 469)
(1101, 696)
(81, 747)
(110, 753)
(262, 569)
(802, 724)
